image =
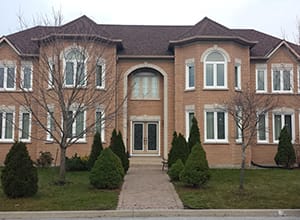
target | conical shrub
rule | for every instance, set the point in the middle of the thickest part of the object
(194, 136)
(95, 151)
(179, 150)
(19, 177)
(175, 170)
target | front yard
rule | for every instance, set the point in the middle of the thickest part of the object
(264, 189)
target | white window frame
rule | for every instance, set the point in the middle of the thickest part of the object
(140, 94)
(189, 63)
(51, 65)
(238, 137)
(23, 111)
(4, 110)
(281, 68)
(74, 62)
(282, 113)
(266, 118)
(5, 65)
(83, 139)
(23, 66)
(102, 63)
(48, 135)
(215, 140)
(238, 65)
(188, 110)
(102, 123)
(261, 67)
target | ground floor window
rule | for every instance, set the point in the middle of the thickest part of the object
(216, 126)
(25, 126)
(6, 126)
(76, 125)
(279, 121)
(262, 128)
(99, 124)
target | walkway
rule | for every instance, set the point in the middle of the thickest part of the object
(148, 187)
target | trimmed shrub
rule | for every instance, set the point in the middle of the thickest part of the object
(179, 150)
(285, 155)
(196, 170)
(107, 172)
(95, 151)
(45, 159)
(118, 147)
(19, 177)
(194, 136)
(175, 170)
(76, 163)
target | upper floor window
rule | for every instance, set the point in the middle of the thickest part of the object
(145, 85)
(75, 68)
(189, 74)
(100, 74)
(261, 78)
(6, 124)
(26, 76)
(237, 76)
(282, 78)
(7, 77)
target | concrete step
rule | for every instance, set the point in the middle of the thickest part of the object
(145, 160)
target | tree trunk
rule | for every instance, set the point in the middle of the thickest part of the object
(62, 168)
(242, 171)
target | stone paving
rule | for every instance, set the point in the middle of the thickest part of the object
(148, 187)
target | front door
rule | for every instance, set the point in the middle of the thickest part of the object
(145, 138)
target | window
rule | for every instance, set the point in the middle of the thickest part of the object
(51, 80)
(215, 71)
(215, 126)
(145, 85)
(26, 77)
(237, 76)
(279, 121)
(282, 78)
(7, 77)
(50, 125)
(261, 78)
(189, 74)
(262, 128)
(75, 70)
(100, 74)
(238, 126)
(25, 126)
(189, 115)
(100, 123)
(6, 125)
(76, 125)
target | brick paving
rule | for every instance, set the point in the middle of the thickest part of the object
(148, 187)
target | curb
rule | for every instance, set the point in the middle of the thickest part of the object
(152, 213)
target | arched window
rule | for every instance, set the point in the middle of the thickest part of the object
(75, 69)
(145, 85)
(215, 70)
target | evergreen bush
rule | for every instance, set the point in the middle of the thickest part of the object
(194, 136)
(285, 155)
(45, 159)
(107, 172)
(179, 150)
(196, 170)
(76, 163)
(19, 177)
(175, 170)
(95, 151)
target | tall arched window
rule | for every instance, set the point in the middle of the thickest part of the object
(145, 85)
(215, 70)
(75, 68)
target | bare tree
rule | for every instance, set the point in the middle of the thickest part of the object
(73, 76)
(247, 108)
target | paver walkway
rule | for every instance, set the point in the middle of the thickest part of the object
(148, 187)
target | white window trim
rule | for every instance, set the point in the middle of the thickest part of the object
(239, 134)
(282, 113)
(102, 123)
(140, 96)
(266, 130)
(238, 64)
(281, 69)
(215, 75)
(264, 69)
(188, 110)
(6, 65)
(215, 140)
(27, 140)
(101, 62)
(188, 63)
(83, 139)
(9, 109)
(51, 63)
(23, 66)
(48, 136)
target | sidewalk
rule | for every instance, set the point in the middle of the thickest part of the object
(148, 187)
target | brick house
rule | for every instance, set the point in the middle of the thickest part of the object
(168, 75)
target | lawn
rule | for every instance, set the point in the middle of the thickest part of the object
(264, 189)
(76, 195)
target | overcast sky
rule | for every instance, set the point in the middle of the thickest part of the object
(275, 17)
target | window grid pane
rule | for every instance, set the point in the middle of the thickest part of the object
(27, 78)
(209, 75)
(80, 74)
(10, 77)
(99, 75)
(220, 75)
(69, 124)
(1, 77)
(288, 124)
(286, 80)
(98, 121)
(276, 80)
(8, 125)
(25, 126)
(79, 124)
(262, 128)
(260, 80)
(277, 123)
(221, 125)
(1, 123)
(191, 76)
(69, 73)
(210, 125)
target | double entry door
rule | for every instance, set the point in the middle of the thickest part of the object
(145, 137)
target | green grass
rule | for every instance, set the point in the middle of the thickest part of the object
(76, 195)
(264, 189)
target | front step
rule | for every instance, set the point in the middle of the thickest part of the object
(144, 160)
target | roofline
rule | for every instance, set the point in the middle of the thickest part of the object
(145, 57)
(10, 44)
(283, 42)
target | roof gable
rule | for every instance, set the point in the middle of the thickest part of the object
(4, 39)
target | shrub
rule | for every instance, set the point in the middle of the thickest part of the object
(95, 151)
(179, 150)
(196, 170)
(76, 163)
(19, 177)
(45, 159)
(118, 147)
(285, 155)
(175, 170)
(107, 172)
(194, 136)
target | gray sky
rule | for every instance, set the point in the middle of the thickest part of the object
(275, 17)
